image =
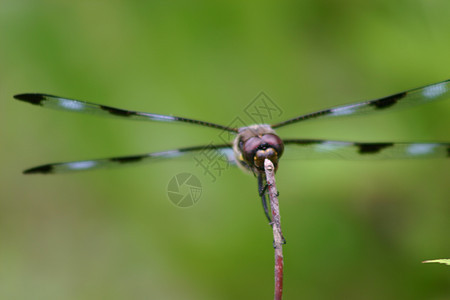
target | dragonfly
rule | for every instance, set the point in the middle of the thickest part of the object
(255, 143)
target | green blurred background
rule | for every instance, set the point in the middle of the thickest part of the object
(355, 230)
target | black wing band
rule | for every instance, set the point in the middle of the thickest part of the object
(225, 152)
(430, 93)
(324, 149)
(58, 103)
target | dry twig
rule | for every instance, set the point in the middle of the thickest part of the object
(278, 239)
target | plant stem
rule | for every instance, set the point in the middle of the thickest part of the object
(278, 239)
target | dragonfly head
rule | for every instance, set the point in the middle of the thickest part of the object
(256, 143)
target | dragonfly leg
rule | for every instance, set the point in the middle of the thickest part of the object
(262, 188)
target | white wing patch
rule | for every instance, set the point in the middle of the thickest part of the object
(168, 154)
(80, 165)
(71, 105)
(158, 117)
(421, 149)
(434, 91)
(229, 154)
(343, 111)
(330, 146)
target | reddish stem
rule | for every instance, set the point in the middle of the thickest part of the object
(276, 226)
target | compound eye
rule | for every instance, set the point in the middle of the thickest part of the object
(249, 147)
(275, 142)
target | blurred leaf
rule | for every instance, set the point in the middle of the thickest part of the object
(440, 261)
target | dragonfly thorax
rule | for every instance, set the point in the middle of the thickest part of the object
(254, 144)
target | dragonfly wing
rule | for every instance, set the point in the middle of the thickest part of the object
(59, 103)
(222, 152)
(426, 94)
(331, 150)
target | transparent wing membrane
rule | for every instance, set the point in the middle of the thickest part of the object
(58, 103)
(294, 148)
(224, 150)
(410, 98)
(330, 150)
